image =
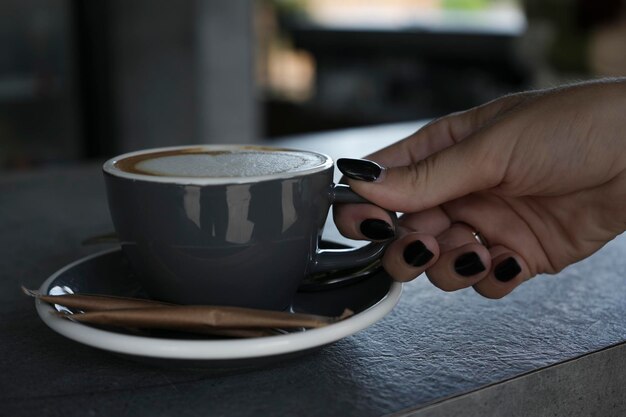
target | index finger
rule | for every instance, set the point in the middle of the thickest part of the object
(428, 140)
(442, 133)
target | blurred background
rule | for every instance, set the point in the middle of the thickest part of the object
(86, 80)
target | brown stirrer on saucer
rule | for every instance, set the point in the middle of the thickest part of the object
(148, 314)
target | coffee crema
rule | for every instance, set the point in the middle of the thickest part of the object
(203, 163)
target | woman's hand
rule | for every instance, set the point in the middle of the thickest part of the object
(540, 175)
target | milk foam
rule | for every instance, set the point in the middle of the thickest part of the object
(230, 164)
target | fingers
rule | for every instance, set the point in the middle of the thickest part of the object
(363, 222)
(442, 133)
(509, 271)
(403, 161)
(452, 173)
(455, 260)
(475, 164)
(449, 158)
(463, 261)
(410, 255)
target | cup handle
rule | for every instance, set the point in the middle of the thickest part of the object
(327, 260)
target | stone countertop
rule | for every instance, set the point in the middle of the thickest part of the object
(433, 348)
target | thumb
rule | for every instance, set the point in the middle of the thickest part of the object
(468, 166)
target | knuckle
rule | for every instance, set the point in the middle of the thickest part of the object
(418, 174)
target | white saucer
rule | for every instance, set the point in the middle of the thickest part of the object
(107, 273)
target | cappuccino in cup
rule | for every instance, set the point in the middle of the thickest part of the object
(225, 163)
(227, 225)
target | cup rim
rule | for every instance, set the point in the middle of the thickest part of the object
(109, 166)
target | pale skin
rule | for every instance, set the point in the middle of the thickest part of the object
(541, 175)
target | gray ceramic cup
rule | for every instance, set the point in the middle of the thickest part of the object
(235, 240)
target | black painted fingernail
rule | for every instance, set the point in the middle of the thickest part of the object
(468, 264)
(417, 254)
(377, 229)
(359, 169)
(507, 270)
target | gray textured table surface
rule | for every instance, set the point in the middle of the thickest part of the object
(434, 345)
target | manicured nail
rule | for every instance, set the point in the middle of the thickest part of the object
(359, 169)
(377, 229)
(417, 254)
(468, 264)
(507, 270)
